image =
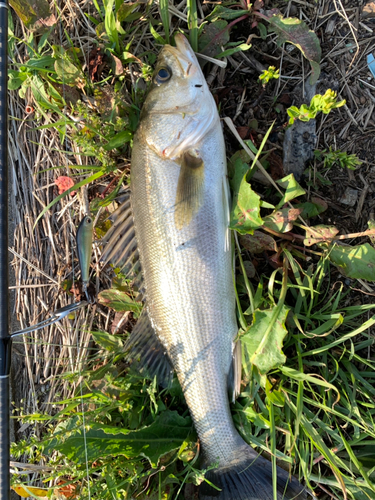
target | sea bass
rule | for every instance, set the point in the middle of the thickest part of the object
(176, 221)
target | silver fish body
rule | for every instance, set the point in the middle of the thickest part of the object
(180, 206)
(189, 283)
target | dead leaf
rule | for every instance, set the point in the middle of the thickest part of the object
(119, 68)
(25, 491)
(243, 132)
(319, 234)
(258, 242)
(69, 491)
(64, 183)
(35, 15)
(281, 221)
(95, 64)
(249, 269)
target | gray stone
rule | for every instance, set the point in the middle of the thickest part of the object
(349, 197)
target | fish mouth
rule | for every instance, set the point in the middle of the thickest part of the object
(183, 53)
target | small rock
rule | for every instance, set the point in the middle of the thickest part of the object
(368, 10)
(363, 99)
(349, 197)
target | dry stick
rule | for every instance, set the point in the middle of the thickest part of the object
(32, 265)
(344, 15)
(345, 82)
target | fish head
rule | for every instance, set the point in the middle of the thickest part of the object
(179, 109)
(176, 80)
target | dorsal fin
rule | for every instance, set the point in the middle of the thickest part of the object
(147, 354)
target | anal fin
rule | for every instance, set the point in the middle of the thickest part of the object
(235, 372)
(146, 353)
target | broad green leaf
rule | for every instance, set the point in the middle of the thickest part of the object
(165, 434)
(245, 214)
(262, 30)
(16, 79)
(40, 94)
(67, 71)
(233, 50)
(312, 208)
(257, 418)
(107, 341)
(125, 10)
(292, 189)
(238, 168)
(295, 31)
(274, 394)
(119, 301)
(40, 63)
(119, 140)
(264, 339)
(357, 262)
(282, 220)
(221, 12)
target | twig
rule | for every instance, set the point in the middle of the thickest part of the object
(344, 15)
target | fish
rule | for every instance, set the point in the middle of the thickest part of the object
(172, 230)
(84, 238)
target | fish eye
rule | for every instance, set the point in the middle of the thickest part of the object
(163, 75)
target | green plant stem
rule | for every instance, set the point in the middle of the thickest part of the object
(247, 283)
(164, 13)
(193, 23)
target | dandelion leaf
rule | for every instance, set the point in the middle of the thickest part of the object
(264, 339)
(167, 433)
(119, 301)
(245, 214)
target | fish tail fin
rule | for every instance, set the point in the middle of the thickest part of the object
(249, 477)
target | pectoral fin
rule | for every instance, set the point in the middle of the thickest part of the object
(190, 188)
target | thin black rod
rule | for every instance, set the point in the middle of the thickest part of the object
(5, 342)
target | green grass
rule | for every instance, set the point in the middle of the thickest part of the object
(314, 410)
